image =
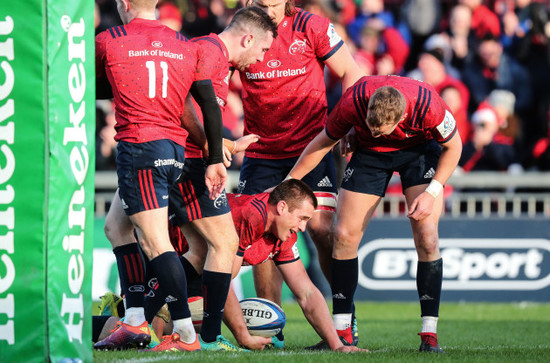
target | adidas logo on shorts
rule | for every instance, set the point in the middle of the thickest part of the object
(429, 174)
(325, 182)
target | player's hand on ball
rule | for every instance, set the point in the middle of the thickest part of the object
(255, 342)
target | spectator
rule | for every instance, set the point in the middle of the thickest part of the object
(422, 18)
(382, 50)
(369, 9)
(169, 14)
(489, 149)
(484, 20)
(442, 42)
(493, 69)
(527, 37)
(461, 38)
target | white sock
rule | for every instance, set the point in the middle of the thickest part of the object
(342, 321)
(184, 327)
(134, 316)
(429, 324)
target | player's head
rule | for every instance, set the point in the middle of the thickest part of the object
(276, 9)
(129, 9)
(294, 204)
(255, 31)
(386, 108)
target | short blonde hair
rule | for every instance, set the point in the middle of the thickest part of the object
(386, 106)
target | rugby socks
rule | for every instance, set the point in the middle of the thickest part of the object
(344, 275)
(171, 277)
(429, 277)
(215, 286)
(131, 272)
(190, 272)
(155, 299)
(429, 324)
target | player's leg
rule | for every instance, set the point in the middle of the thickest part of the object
(319, 229)
(206, 222)
(322, 180)
(353, 215)
(151, 224)
(363, 185)
(415, 177)
(221, 236)
(119, 230)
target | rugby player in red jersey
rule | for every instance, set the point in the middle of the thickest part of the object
(401, 125)
(267, 224)
(284, 99)
(244, 42)
(150, 69)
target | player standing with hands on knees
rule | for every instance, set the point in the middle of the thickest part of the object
(284, 100)
(399, 123)
(150, 70)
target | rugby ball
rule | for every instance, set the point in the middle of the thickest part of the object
(197, 310)
(263, 317)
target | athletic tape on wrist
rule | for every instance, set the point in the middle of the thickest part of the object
(434, 188)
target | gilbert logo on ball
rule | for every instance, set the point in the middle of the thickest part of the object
(263, 317)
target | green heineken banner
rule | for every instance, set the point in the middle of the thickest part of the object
(22, 179)
(47, 121)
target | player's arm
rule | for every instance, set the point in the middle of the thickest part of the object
(422, 205)
(312, 155)
(344, 66)
(312, 302)
(233, 318)
(450, 155)
(216, 174)
(190, 121)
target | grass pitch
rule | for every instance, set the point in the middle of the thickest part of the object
(469, 332)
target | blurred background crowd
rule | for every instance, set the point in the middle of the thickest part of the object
(488, 59)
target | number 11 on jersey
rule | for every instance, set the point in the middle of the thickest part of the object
(153, 78)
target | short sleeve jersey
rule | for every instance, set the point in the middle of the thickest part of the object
(151, 69)
(284, 96)
(215, 58)
(249, 214)
(428, 117)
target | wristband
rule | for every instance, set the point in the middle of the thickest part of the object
(288, 177)
(434, 188)
(234, 147)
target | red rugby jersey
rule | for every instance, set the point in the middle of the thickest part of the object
(428, 117)
(249, 214)
(150, 68)
(284, 96)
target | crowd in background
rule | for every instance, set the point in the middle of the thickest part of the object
(488, 59)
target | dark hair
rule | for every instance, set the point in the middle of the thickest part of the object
(290, 7)
(255, 17)
(386, 106)
(293, 192)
